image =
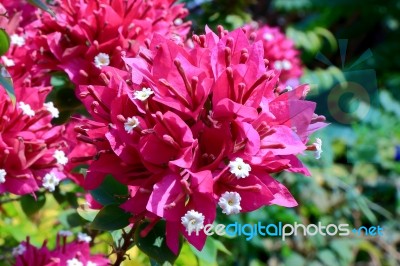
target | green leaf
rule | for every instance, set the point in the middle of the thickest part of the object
(30, 205)
(110, 218)
(4, 42)
(41, 5)
(70, 219)
(110, 192)
(154, 244)
(208, 253)
(86, 213)
(6, 82)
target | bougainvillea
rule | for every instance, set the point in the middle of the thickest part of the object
(280, 51)
(32, 150)
(192, 129)
(84, 36)
(75, 253)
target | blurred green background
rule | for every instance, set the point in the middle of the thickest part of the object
(351, 55)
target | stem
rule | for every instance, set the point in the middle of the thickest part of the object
(128, 240)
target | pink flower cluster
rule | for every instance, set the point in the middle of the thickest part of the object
(280, 51)
(84, 36)
(76, 253)
(192, 129)
(32, 150)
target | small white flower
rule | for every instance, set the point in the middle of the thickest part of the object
(102, 59)
(59, 155)
(268, 36)
(3, 174)
(193, 221)
(143, 94)
(26, 109)
(286, 65)
(74, 262)
(17, 40)
(50, 181)
(289, 88)
(4, 73)
(89, 263)
(230, 203)
(318, 147)
(131, 123)
(65, 233)
(19, 250)
(82, 237)
(178, 22)
(278, 65)
(239, 168)
(51, 109)
(7, 62)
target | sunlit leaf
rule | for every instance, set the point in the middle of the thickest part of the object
(4, 42)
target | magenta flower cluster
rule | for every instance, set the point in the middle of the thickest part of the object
(191, 127)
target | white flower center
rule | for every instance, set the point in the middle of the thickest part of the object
(286, 65)
(268, 36)
(178, 22)
(82, 237)
(60, 157)
(74, 262)
(193, 221)
(318, 146)
(230, 203)
(50, 181)
(130, 124)
(143, 94)
(102, 59)
(17, 40)
(51, 109)
(26, 109)
(239, 168)
(3, 174)
(19, 250)
(7, 62)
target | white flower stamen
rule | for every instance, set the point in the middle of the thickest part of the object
(278, 65)
(239, 168)
(26, 109)
(130, 124)
(143, 94)
(59, 155)
(50, 181)
(193, 221)
(82, 237)
(7, 62)
(74, 262)
(17, 40)
(286, 65)
(102, 59)
(51, 109)
(19, 250)
(178, 22)
(268, 36)
(318, 148)
(3, 174)
(230, 203)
